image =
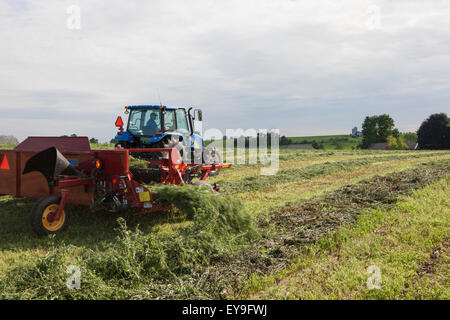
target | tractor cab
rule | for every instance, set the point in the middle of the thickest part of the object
(152, 126)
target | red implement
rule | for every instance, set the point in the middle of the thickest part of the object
(61, 170)
(63, 144)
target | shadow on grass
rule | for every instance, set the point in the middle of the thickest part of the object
(86, 228)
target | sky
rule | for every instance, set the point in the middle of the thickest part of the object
(305, 67)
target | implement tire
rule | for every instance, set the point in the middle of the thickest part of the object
(40, 212)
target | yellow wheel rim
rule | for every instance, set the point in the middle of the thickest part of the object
(55, 224)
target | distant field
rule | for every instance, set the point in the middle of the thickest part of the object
(332, 142)
(329, 142)
(7, 145)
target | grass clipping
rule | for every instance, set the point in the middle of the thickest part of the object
(136, 163)
(220, 225)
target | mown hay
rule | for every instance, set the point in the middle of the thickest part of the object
(136, 163)
(290, 230)
(47, 278)
(258, 182)
(220, 224)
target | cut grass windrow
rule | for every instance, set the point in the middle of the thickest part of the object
(407, 246)
(263, 201)
(237, 172)
(259, 182)
(305, 158)
(220, 225)
(293, 229)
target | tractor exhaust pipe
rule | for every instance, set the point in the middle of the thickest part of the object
(51, 163)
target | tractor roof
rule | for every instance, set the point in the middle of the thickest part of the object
(150, 107)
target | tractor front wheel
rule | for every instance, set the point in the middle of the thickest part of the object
(42, 216)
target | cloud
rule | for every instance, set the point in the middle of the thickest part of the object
(306, 67)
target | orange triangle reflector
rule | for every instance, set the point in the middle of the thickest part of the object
(4, 163)
(119, 122)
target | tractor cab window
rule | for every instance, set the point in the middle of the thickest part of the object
(182, 124)
(134, 122)
(144, 122)
(152, 122)
(169, 120)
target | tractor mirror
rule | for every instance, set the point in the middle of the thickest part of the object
(198, 115)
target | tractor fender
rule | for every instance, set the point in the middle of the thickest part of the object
(125, 136)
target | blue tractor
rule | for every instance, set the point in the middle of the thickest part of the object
(157, 126)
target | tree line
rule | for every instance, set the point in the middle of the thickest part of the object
(433, 133)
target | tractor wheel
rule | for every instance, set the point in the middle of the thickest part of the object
(41, 216)
(203, 184)
(172, 143)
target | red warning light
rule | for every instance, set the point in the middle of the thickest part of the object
(4, 165)
(119, 122)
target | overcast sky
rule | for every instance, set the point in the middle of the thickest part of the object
(305, 67)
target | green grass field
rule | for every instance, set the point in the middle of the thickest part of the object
(345, 142)
(331, 142)
(7, 146)
(310, 231)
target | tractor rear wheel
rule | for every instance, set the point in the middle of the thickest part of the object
(41, 216)
(173, 142)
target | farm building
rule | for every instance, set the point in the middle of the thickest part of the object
(301, 146)
(385, 146)
(355, 133)
(8, 139)
(379, 146)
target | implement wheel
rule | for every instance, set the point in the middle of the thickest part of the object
(42, 216)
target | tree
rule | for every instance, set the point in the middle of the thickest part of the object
(317, 145)
(284, 140)
(93, 140)
(385, 128)
(396, 143)
(434, 132)
(396, 133)
(409, 136)
(377, 129)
